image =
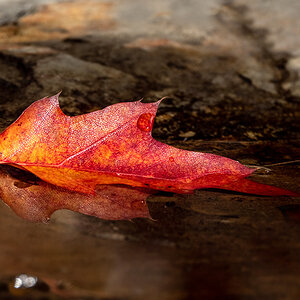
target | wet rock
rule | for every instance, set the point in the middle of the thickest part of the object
(84, 83)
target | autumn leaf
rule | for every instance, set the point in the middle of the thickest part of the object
(37, 201)
(114, 146)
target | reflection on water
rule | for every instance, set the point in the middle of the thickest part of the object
(35, 200)
(209, 245)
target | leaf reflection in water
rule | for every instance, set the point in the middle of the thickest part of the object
(35, 200)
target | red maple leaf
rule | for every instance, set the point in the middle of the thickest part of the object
(114, 146)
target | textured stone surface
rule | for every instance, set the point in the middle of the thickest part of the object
(231, 71)
(280, 21)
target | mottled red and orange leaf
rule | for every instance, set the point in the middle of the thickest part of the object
(114, 146)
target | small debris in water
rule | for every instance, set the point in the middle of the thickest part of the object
(25, 281)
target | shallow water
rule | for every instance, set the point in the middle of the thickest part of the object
(212, 244)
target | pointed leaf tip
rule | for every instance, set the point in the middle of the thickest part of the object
(56, 96)
(163, 98)
(160, 100)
